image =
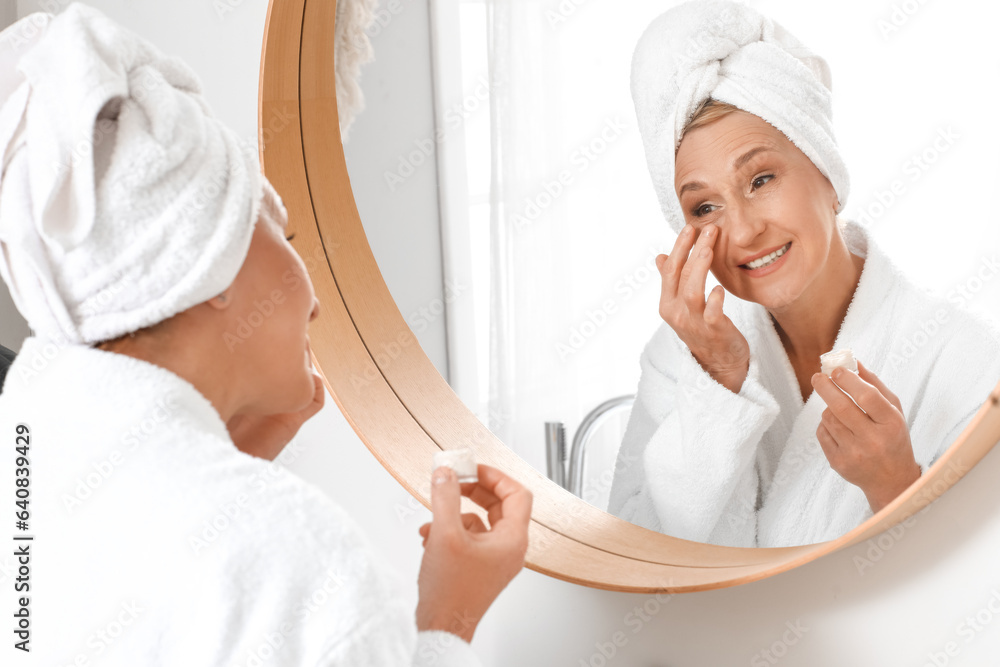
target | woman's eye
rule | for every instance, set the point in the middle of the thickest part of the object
(702, 210)
(760, 180)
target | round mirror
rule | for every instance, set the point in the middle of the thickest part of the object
(398, 401)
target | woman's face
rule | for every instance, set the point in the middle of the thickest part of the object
(272, 303)
(744, 176)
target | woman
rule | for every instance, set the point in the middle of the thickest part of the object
(170, 363)
(736, 437)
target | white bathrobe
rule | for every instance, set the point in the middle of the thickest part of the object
(703, 463)
(157, 542)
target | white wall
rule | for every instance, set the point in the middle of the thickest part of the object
(8, 13)
(402, 221)
(911, 602)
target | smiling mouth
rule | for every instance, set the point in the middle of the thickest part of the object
(767, 260)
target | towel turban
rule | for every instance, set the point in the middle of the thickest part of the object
(729, 52)
(123, 201)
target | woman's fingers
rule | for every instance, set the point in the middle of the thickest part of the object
(695, 274)
(875, 381)
(713, 306)
(481, 493)
(700, 321)
(473, 523)
(482, 496)
(507, 502)
(684, 272)
(839, 402)
(670, 269)
(869, 397)
(446, 499)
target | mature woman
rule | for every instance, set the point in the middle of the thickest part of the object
(139, 239)
(736, 437)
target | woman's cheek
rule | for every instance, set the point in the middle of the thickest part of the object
(291, 279)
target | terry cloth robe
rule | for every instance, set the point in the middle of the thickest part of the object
(703, 463)
(157, 542)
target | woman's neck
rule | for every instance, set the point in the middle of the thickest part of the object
(172, 345)
(809, 327)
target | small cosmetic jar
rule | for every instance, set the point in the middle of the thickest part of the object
(462, 461)
(838, 358)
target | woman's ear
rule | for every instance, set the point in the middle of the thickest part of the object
(221, 301)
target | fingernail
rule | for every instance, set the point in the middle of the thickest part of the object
(442, 475)
(838, 373)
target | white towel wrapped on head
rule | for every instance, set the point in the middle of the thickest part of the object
(123, 201)
(729, 52)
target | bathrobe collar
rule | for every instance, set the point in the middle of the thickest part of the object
(879, 277)
(878, 287)
(111, 381)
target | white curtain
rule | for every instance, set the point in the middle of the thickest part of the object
(573, 222)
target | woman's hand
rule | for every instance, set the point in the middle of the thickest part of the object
(264, 436)
(711, 336)
(873, 450)
(466, 564)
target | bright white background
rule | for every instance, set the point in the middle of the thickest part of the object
(911, 602)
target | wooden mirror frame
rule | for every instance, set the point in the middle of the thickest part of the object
(404, 411)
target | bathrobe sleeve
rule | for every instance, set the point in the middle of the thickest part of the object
(317, 583)
(965, 372)
(365, 621)
(686, 466)
(443, 649)
(374, 644)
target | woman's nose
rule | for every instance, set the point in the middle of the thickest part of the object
(743, 223)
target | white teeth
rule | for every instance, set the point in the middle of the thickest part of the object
(768, 259)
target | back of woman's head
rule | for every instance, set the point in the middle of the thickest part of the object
(123, 200)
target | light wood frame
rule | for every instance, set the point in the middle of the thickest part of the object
(404, 410)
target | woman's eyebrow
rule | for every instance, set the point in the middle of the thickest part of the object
(741, 161)
(738, 164)
(691, 185)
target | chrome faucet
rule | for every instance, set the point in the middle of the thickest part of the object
(555, 443)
